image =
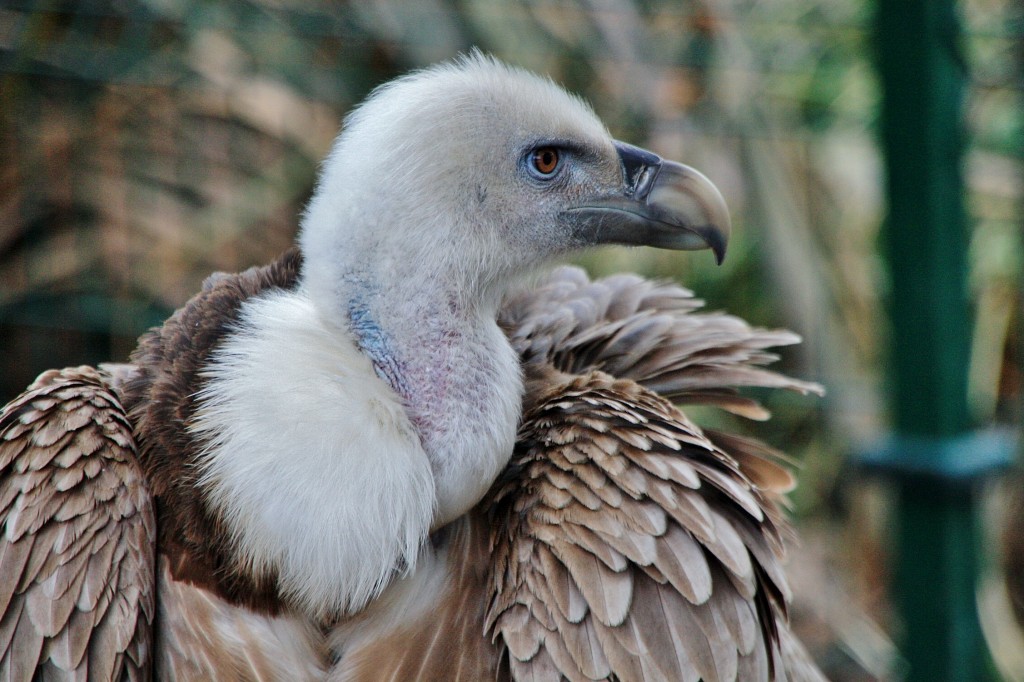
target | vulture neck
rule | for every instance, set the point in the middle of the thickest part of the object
(457, 376)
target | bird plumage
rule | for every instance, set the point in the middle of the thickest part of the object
(78, 588)
(613, 499)
(312, 470)
(622, 541)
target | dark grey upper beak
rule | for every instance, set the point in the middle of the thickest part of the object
(662, 203)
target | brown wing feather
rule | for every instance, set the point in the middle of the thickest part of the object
(77, 551)
(675, 576)
(650, 332)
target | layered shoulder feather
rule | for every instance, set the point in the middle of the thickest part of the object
(649, 332)
(77, 550)
(629, 543)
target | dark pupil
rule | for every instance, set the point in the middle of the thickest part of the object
(545, 161)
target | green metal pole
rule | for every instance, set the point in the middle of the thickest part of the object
(925, 240)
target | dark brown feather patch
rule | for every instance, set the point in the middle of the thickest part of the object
(161, 403)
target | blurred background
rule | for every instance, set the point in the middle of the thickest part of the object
(146, 143)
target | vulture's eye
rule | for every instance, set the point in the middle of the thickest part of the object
(544, 161)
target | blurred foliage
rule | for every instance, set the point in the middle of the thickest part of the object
(147, 143)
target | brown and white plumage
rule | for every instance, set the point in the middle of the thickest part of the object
(622, 542)
(620, 538)
(311, 470)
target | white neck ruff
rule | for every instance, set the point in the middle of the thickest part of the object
(315, 465)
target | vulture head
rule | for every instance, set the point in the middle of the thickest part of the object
(470, 173)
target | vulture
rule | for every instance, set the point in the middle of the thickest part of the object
(402, 452)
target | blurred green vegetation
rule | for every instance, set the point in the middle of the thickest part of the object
(147, 143)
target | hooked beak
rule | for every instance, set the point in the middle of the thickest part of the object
(662, 204)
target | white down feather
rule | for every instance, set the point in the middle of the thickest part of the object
(311, 458)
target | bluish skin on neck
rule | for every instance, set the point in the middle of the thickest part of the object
(455, 375)
(376, 344)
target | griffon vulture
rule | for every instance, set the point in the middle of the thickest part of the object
(380, 458)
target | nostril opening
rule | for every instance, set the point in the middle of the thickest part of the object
(644, 183)
(639, 167)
